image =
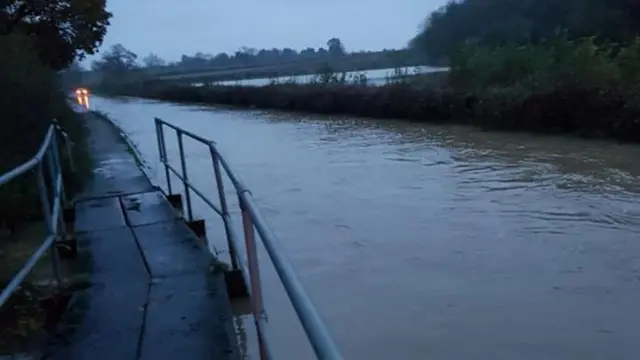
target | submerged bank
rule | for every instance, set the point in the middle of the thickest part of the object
(587, 112)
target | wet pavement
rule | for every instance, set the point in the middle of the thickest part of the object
(154, 293)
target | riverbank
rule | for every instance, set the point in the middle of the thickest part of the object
(587, 112)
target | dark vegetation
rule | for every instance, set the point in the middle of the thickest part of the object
(496, 23)
(62, 30)
(38, 41)
(30, 101)
(544, 66)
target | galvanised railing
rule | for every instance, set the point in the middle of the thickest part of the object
(252, 220)
(48, 156)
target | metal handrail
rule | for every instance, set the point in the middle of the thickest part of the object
(315, 329)
(47, 153)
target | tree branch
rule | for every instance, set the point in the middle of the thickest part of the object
(22, 12)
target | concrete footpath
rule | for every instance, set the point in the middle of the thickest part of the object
(153, 292)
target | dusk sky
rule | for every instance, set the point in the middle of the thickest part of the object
(172, 28)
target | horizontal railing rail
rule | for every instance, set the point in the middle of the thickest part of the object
(252, 221)
(47, 156)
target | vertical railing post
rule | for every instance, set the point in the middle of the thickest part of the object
(185, 177)
(53, 174)
(58, 166)
(163, 154)
(224, 207)
(58, 176)
(257, 305)
(46, 212)
(63, 145)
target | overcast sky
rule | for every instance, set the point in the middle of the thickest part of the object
(171, 28)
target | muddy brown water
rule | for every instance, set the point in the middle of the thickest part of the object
(429, 242)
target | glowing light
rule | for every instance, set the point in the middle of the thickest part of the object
(82, 96)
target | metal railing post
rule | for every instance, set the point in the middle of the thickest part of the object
(51, 164)
(185, 177)
(163, 154)
(58, 167)
(224, 207)
(257, 305)
(56, 174)
(63, 140)
(46, 212)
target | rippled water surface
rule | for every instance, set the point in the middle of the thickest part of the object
(431, 242)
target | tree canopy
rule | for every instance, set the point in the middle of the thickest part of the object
(63, 30)
(117, 60)
(497, 22)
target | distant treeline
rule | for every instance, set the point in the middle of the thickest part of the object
(120, 64)
(251, 58)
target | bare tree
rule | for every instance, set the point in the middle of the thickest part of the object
(117, 60)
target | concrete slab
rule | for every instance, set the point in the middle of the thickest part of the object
(113, 319)
(193, 324)
(164, 288)
(147, 208)
(152, 295)
(171, 249)
(112, 254)
(99, 214)
(116, 171)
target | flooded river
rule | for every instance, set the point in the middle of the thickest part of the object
(431, 242)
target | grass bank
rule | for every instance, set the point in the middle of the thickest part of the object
(561, 86)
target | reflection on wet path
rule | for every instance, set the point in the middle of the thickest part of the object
(430, 241)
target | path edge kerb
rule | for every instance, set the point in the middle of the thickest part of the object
(141, 161)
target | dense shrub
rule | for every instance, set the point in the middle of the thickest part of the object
(30, 98)
(553, 64)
